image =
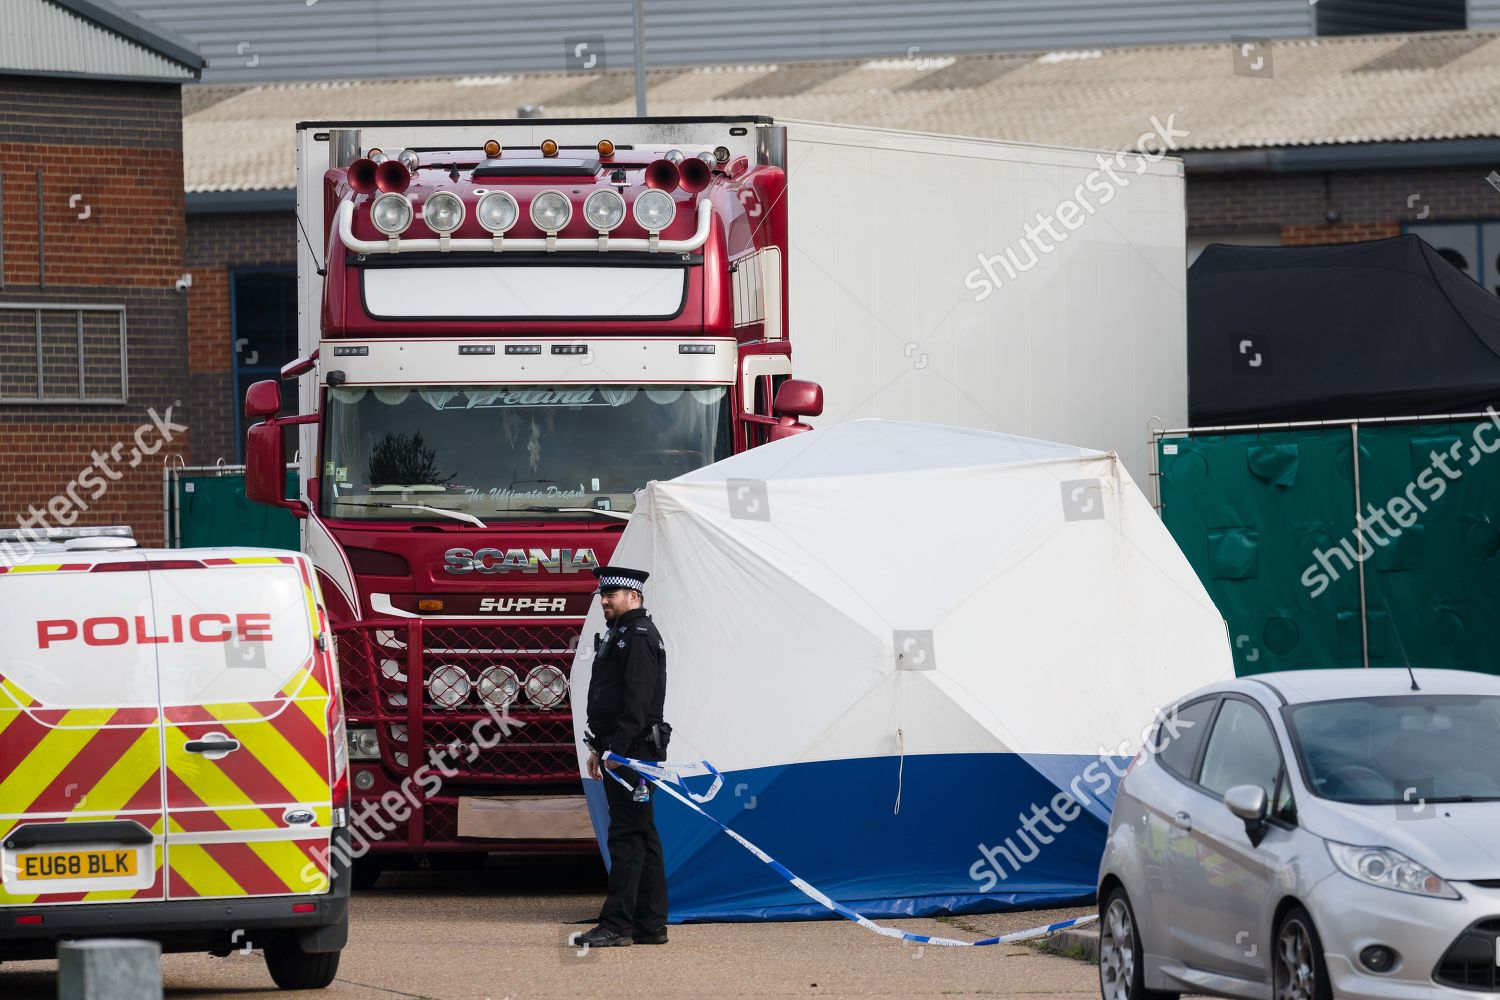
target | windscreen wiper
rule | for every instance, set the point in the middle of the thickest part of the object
(460, 515)
(622, 515)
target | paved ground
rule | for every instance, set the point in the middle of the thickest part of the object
(501, 934)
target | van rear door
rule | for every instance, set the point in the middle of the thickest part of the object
(247, 695)
(81, 812)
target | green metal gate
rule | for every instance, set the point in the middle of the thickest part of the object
(1267, 518)
(206, 506)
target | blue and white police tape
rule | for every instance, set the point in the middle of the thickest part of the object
(664, 775)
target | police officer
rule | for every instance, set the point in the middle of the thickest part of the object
(626, 693)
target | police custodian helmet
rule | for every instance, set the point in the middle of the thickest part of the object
(617, 577)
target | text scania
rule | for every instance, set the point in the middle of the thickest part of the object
(526, 561)
(108, 630)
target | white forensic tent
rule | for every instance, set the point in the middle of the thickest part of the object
(899, 641)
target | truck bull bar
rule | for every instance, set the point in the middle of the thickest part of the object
(418, 683)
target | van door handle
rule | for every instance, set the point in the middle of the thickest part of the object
(211, 746)
(1182, 821)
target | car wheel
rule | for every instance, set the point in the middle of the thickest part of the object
(292, 968)
(1122, 967)
(1300, 972)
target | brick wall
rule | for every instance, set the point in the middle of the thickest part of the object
(111, 232)
(1300, 203)
(216, 245)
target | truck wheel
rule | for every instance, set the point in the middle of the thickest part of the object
(292, 968)
(364, 873)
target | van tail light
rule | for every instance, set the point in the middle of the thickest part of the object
(304, 907)
(338, 740)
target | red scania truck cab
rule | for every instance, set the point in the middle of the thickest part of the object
(507, 328)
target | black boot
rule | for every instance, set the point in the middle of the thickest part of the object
(602, 937)
(658, 936)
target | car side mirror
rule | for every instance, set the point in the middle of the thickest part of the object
(1249, 803)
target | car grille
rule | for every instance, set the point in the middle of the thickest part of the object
(1469, 963)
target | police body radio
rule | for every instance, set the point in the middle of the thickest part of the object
(598, 641)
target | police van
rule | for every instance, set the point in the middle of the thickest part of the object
(172, 756)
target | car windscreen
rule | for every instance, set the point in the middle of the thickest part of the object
(1428, 747)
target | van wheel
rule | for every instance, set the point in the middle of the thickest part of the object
(365, 872)
(292, 968)
(1301, 973)
(1122, 961)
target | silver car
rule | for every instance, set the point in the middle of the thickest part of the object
(1310, 834)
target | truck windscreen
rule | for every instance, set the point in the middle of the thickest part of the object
(511, 451)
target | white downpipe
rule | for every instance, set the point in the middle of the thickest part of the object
(501, 244)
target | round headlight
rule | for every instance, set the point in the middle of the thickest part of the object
(448, 686)
(654, 210)
(497, 211)
(391, 214)
(443, 212)
(364, 744)
(604, 210)
(499, 686)
(546, 686)
(551, 211)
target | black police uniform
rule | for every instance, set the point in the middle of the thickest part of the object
(626, 694)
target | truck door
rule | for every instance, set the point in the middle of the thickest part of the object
(247, 696)
(81, 816)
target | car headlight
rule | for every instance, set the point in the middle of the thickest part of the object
(497, 211)
(363, 745)
(443, 212)
(1389, 869)
(448, 686)
(604, 210)
(551, 211)
(546, 686)
(391, 214)
(654, 210)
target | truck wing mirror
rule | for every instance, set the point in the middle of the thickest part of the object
(263, 399)
(265, 468)
(798, 398)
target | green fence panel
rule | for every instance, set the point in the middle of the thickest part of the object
(1432, 504)
(1268, 522)
(211, 509)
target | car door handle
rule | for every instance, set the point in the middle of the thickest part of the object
(1182, 821)
(211, 746)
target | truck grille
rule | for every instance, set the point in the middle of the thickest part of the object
(491, 701)
(1469, 964)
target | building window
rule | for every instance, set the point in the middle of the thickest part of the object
(263, 323)
(1389, 17)
(52, 353)
(1472, 247)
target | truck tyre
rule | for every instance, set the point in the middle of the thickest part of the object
(364, 873)
(292, 968)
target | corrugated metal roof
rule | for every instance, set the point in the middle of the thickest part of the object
(89, 38)
(279, 41)
(1304, 92)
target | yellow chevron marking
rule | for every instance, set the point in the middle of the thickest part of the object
(55, 752)
(135, 766)
(266, 744)
(14, 694)
(258, 561)
(52, 568)
(207, 877)
(286, 860)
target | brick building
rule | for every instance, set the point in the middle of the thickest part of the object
(92, 321)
